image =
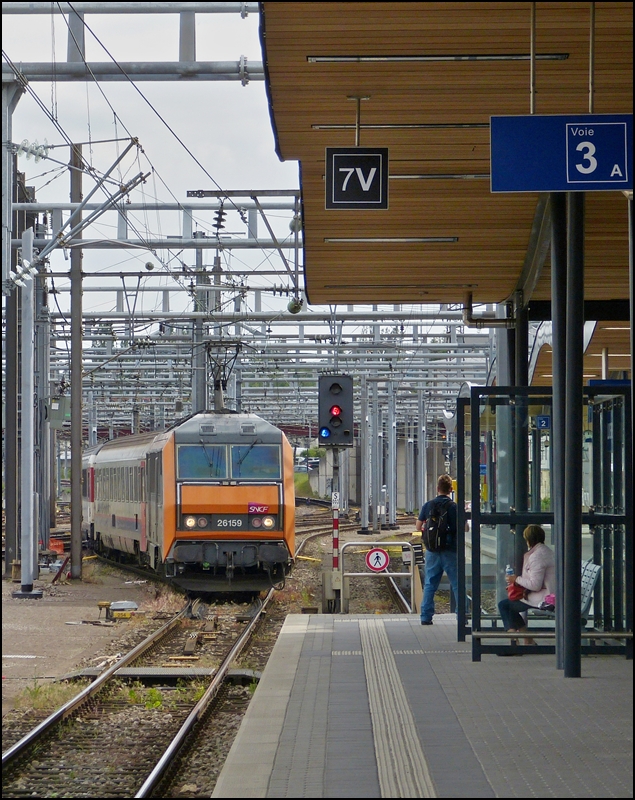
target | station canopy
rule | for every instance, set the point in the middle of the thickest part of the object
(426, 78)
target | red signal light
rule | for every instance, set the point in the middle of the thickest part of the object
(335, 411)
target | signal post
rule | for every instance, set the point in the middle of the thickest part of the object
(335, 430)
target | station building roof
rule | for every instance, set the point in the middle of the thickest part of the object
(431, 75)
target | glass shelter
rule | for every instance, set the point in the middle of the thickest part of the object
(506, 481)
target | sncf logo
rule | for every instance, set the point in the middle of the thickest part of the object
(256, 509)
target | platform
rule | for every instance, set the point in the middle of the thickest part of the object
(380, 706)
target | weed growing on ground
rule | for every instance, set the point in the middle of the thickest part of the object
(153, 698)
(48, 696)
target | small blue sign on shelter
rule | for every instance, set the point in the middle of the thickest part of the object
(562, 153)
(543, 422)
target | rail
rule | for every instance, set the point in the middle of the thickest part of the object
(72, 705)
(199, 709)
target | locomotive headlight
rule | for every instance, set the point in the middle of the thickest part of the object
(268, 522)
(190, 522)
(202, 522)
(256, 522)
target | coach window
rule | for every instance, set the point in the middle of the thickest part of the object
(201, 461)
(256, 462)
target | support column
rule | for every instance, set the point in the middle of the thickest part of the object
(76, 373)
(558, 206)
(28, 531)
(505, 463)
(521, 440)
(42, 396)
(573, 434)
(11, 93)
(628, 504)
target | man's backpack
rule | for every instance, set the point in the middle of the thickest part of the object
(436, 530)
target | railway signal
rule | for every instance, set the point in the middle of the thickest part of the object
(335, 411)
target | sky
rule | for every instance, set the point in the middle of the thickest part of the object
(224, 124)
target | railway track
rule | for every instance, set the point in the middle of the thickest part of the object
(185, 740)
(105, 740)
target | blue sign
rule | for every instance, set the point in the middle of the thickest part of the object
(562, 153)
(543, 422)
(482, 469)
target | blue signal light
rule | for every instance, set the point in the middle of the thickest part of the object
(325, 433)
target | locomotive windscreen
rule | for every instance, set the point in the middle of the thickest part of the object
(202, 462)
(209, 462)
(256, 462)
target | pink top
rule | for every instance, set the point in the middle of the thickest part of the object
(539, 574)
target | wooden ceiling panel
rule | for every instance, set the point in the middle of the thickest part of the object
(611, 337)
(493, 230)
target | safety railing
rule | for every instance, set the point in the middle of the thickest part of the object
(379, 574)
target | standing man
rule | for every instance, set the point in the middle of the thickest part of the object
(440, 513)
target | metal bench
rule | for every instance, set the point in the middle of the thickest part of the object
(589, 577)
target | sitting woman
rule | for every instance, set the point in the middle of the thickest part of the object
(538, 579)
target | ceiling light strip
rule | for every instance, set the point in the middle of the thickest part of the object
(392, 239)
(444, 176)
(401, 125)
(421, 58)
(400, 285)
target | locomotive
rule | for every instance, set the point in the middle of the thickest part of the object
(209, 503)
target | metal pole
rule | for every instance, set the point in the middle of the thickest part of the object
(53, 480)
(345, 481)
(11, 465)
(573, 435)
(618, 505)
(43, 432)
(335, 505)
(631, 278)
(92, 420)
(521, 441)
(76, 376)
(392, 458)
(422, 476)
(374, 461)
(381, 469)
(11, 93)
(535, 469)
(532, 61)
(364, 467)
(28, 534)
(591, 57)
(199, 354)
(558, 205)
(410, 465)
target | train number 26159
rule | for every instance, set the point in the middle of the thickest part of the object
(228, 523)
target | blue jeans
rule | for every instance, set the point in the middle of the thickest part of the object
(436, 565)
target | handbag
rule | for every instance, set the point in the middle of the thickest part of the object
(515, 591)
(549, 603)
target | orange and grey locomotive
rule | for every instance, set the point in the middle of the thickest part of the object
(208, 503)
